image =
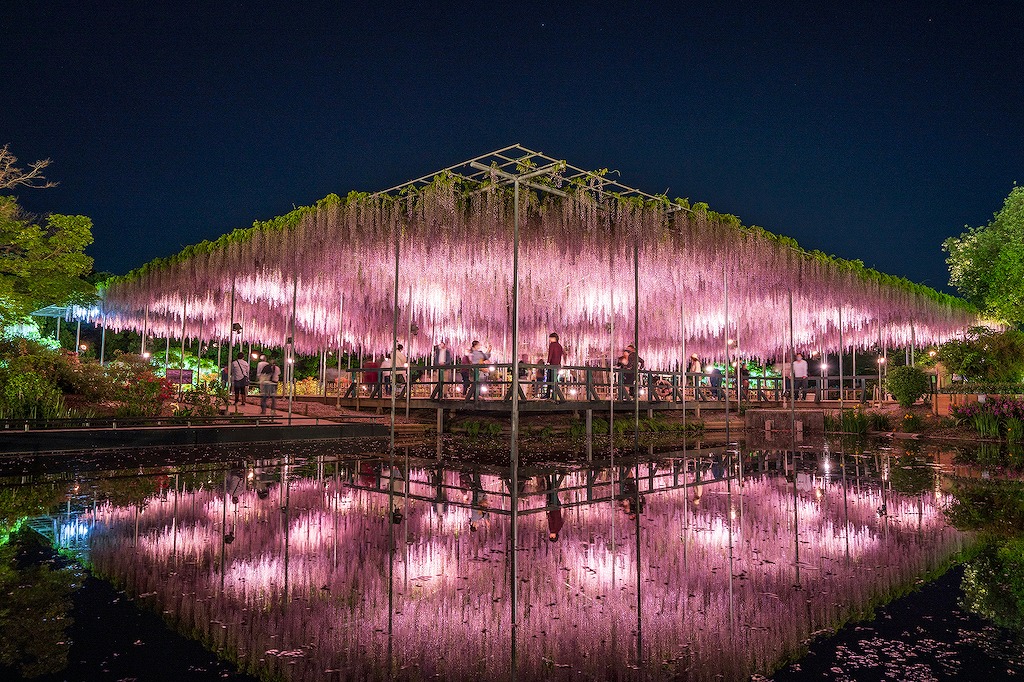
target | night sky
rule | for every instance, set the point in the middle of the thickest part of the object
(869, 130)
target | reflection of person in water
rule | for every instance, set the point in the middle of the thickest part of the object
(261, 483)
(369, 474)
(554, 505)
(478, 502)
(440, 505)
(717, 467)
(629, 497)
(234, 484)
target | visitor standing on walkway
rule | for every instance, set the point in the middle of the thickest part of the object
(555, 353)
(240, 377)
(441, 359)
(696, 368)
(268, 375)
(800, 378)
(477, 356)
(401, 364)
(386, 365)
(633, 364)
(715, 379)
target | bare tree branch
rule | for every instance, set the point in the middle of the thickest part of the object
(11, 176)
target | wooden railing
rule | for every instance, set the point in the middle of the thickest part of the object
(493, 382)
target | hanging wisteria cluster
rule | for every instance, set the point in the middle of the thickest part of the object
(703, 279)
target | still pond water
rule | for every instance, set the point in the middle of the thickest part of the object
(315, 562)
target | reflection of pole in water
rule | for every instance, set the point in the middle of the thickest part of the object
(729, 520)
(286, 484)
(174, 523)
(796, 515)
(223, 525)
(846, 507)
(336, 505)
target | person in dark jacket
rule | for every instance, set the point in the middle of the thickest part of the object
(555, 353)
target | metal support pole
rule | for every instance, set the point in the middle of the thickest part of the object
(408, 355)
(514, 437)
(78, 338)
(725, 285)
(231, 343)
(181, 356)
(792, 374)
(341, 311)
(840, 361)
(394, 346)
(103, 336)
(145, 332)
(291, 348)
(684, 365)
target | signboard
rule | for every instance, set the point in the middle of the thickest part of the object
(179, 376)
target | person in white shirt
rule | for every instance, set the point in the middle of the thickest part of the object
(401, 364)
(268, 375)
(240, 377)
(385, 374)
(800, 377)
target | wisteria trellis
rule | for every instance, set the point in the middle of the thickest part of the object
(454, 235)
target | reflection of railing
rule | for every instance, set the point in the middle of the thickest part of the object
(589, 486)
(560, 384)
(95, 423)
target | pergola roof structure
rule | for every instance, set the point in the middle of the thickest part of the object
(328, 272)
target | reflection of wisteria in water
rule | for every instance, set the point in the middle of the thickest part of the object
(721, 592)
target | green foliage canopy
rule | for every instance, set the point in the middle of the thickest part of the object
(41, 264)
(985, 354)
(987, 263)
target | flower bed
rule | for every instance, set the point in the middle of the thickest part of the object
(996, 417)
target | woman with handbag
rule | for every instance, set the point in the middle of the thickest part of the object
(240, 377)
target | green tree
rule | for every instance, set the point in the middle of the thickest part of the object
(984, 354)
(41, 263)
(907, 384)
(986, 264)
